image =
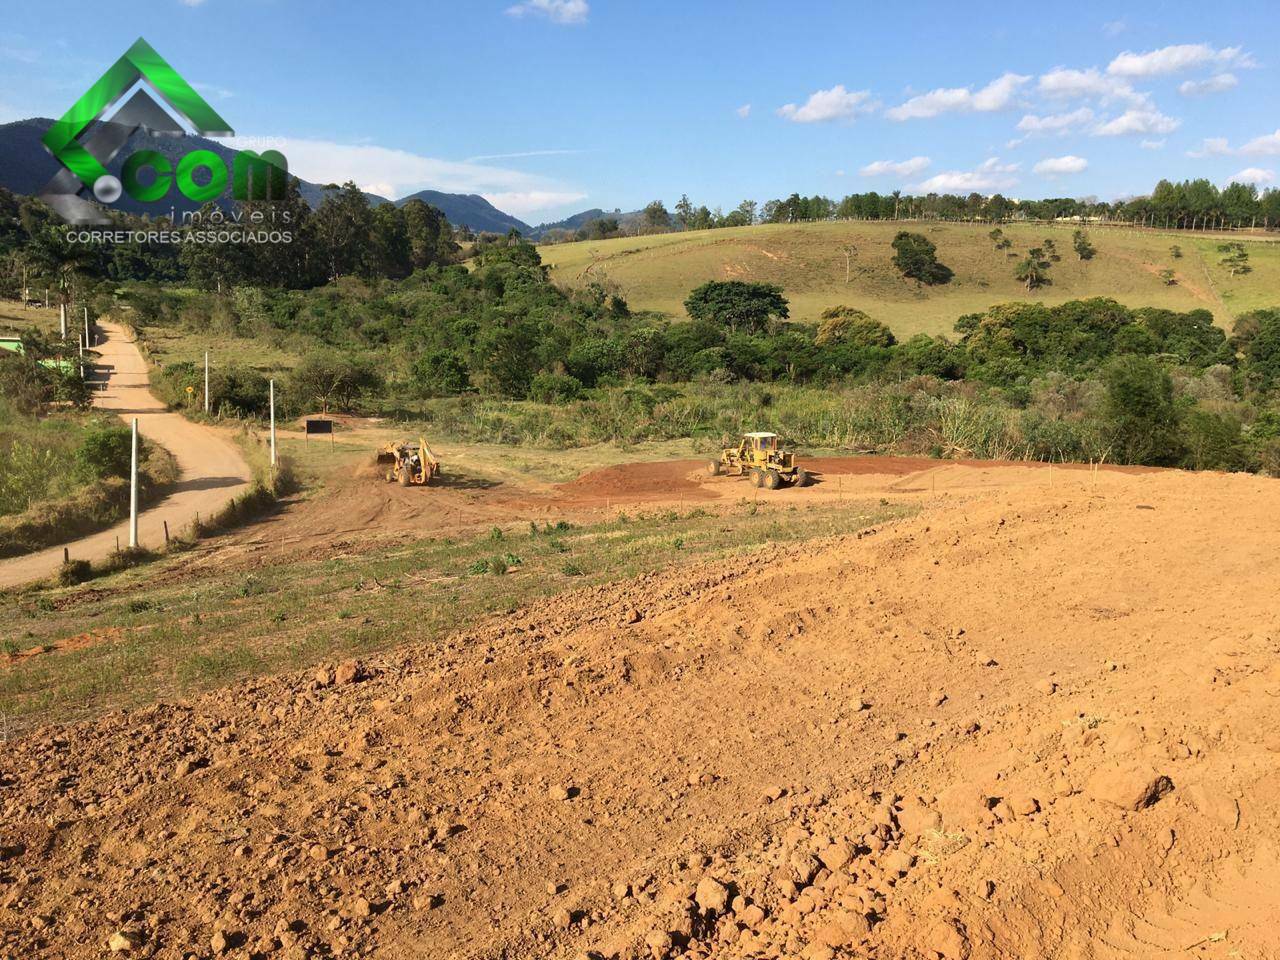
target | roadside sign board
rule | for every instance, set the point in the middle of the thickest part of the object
(320, 427)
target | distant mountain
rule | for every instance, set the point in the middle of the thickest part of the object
(579, 220)
(469, 210)
(26, 166)
(574, 222)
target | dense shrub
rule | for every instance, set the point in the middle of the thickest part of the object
(1139, 411)
(555, 388)
(106, 450)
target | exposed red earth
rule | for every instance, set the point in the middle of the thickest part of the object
(1028, 721)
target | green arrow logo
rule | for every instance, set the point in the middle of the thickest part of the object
(140, 62)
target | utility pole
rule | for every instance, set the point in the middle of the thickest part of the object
(62, 317)
(87, 342)
(206, 383)
(273, 424)
(133, 490)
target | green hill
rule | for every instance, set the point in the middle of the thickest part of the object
(808, 261)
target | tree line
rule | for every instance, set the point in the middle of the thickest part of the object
(343, 236)
(1190, 205)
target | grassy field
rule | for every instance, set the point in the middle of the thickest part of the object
(167, 345)
(139, 635)
(808, 262)
(16, 319)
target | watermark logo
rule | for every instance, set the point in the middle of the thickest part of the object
(84, 143)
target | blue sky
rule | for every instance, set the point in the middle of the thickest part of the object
(547, 107)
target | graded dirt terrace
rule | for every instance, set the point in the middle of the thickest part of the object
(357, 510)
(1028, 721)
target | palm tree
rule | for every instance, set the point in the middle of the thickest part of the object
(51, 255)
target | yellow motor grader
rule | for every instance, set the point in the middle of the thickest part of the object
(408, 463)
(760, 457)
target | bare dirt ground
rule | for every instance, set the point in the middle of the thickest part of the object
(357, 510)
(1030, 721)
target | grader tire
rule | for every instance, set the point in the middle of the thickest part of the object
(757, 477)
(406, 475)
(772, 479)
(801, 477)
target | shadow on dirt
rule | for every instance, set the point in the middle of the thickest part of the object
(461, 481)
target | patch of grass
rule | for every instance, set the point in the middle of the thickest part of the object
(49, 499)
(191, 636)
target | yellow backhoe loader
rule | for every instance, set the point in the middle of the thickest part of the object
(408, 463)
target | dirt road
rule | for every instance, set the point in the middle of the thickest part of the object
(212, 469)
(1027, 722)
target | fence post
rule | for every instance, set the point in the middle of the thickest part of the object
(133, 489)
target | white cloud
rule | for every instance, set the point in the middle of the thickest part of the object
(989, 176)
(213, 92)
(1113, 28)
(899, 168)
(744, 111)
(1218, 83)
(1055, 123)
(1255, 175)
(1091, 84)
(522, 154)
(396, 173)
(557, 11)
(1058, 166)
(1265, 146)
(1152, 144)
(834, 104)
(1138, 120)
(996, 95)
(1175, 59)
(522, 203)
(1211, 147)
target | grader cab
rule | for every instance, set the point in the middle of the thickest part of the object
(761, 457)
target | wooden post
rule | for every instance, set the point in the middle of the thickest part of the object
(273, 424)
(206, 383)
(166, 532)
(66, 554)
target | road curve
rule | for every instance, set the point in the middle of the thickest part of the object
(212, 471)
